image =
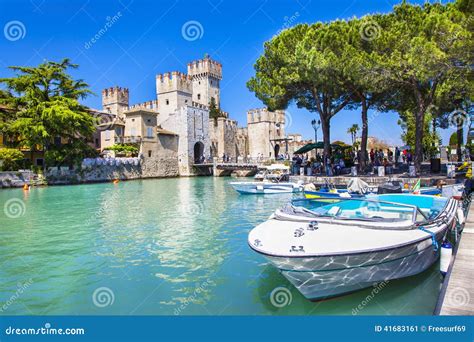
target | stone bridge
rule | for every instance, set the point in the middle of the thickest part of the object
(221, 169)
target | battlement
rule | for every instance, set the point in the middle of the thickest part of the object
(174, 81)
(150, 105)
(199, 106)
(227, 123)
(205, 67)
(264, 115)
(115, 95)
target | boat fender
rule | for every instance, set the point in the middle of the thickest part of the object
(260, 187)
(345, 195)
(460, 216)
(446, 255)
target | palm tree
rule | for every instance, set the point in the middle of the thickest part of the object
(353, 132)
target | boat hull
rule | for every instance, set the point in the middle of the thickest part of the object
(265, 188)
(337, 194)
(324, 277)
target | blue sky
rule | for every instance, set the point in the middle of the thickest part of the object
(146, 39)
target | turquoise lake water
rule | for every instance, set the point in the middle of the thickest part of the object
(160, 247)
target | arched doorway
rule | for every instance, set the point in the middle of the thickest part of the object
(198, 152)
(277, 151)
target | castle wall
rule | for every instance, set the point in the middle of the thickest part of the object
(191, 124)
(223, 135)
(242, 142)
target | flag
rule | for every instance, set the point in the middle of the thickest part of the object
(417, 186)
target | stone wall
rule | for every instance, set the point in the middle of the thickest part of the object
(14, 179)
(159, 167)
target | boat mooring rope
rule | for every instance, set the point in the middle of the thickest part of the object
(433, 238)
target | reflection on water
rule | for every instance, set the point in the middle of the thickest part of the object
(168, 246)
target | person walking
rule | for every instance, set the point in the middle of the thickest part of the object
(372, 156)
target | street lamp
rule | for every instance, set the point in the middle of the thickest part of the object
(316, 125)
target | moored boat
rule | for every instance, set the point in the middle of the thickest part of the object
(274, 181)
(337, 248)
(359, 189)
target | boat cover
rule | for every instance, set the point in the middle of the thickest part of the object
(357, 185)
(390, 188)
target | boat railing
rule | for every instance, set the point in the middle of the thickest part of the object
(414, 209)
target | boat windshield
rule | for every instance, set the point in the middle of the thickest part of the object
(376, 208)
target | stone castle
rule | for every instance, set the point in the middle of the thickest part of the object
(175, 128)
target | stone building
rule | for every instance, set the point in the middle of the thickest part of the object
(266, 132)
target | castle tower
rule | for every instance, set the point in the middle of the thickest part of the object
(174, 91)
(115, 100)
(206, 75)
(264, 130)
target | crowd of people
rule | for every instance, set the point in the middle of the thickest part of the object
(341, 160)
(330, 165)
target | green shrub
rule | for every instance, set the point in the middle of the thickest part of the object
(11, 158)
(124, 148)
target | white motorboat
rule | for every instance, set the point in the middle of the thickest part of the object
(266, 187)
(337, 248)
(274, 181)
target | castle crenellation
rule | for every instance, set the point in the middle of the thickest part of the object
(182, 110)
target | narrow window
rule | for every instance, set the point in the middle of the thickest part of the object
(199, 96)
(149, 132)
(149, 153)
(167, 102)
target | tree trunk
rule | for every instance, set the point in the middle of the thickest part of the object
(364, 137)
(460, 136)
(419, 125)
(325, 126)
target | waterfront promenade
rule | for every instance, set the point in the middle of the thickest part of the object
(458, 290)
